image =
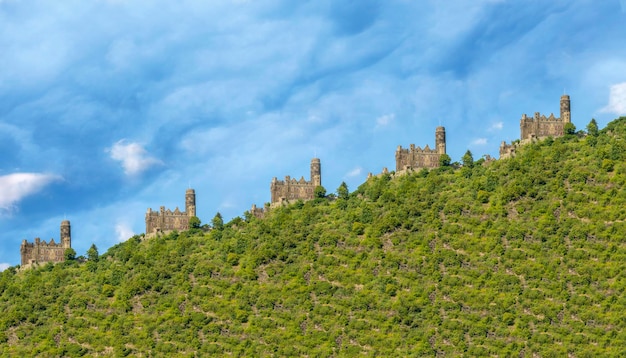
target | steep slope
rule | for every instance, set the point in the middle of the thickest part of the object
(521, 256)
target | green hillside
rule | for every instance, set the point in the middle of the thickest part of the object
(519, 257)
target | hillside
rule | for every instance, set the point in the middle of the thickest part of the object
(521, 256)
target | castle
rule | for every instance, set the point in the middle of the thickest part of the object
(284, 191)
(166, 220)
(417, 158)
(292, 189)
(41, 251)
(539, 127)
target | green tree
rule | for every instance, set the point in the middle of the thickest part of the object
(468, 159)
(218, 222)
(194, 222)
(70, 254)
(92, 253)
(592, 128)
(569, 128)
(342, 191)
(320, 192)
(444, 160)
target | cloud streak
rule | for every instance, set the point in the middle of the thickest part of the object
(617, 100)
(354, 172)
(133, 157)
(385, 120)
(496, 126)
(479, 142)
(123, 231)
(17, 186)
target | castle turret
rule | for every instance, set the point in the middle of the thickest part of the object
(440, 140)
(316, 172)
(565, 109)
(190, 202)
(66, 234)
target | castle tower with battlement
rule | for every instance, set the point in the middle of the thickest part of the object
(417, 158)
(539, 126)
(190, 202)
(166, 220)
(291, 189)
(41, 251)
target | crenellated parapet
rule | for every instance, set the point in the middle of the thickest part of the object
(415, 157)
(539, 126)
(292, 189)
(41, 251)
(259, 212)
(166, 220)
(289, 181)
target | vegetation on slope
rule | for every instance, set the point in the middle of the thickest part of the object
(521, 256)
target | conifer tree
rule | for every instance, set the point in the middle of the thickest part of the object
(92, 253)
(592, 128)
(218, 222)
(342, 191)
(468, 159)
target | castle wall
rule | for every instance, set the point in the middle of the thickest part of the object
(538, 127)
(41, 251)
(413, 159)
(292, 189)
(166, 220)
(417, 158)
(507, 150)
(541, 127)
(258, 212)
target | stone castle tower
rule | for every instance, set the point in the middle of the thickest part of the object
(292, 189)
(41, 251)
(540, 126)
(417, 158)
(166, 220)
(190, 202)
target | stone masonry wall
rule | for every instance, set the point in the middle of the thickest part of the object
(41, 251)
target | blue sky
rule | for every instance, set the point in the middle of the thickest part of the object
(110, 107)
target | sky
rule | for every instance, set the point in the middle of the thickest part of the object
(110, 107)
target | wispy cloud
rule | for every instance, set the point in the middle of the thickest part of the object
(385, 120)
(496, 126)
(4, 265)
(14, 187)
(479, 141)
(123, 231)
(133, 156)
(354, 172)
(617, 100)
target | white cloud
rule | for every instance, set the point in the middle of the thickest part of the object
(354, 172)
(228, 204)
(496, 126)
(617, 99)
(4, 265)
(14, 187)
(123, 231)
(385, 120)
(479, 141)
(133, 156)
